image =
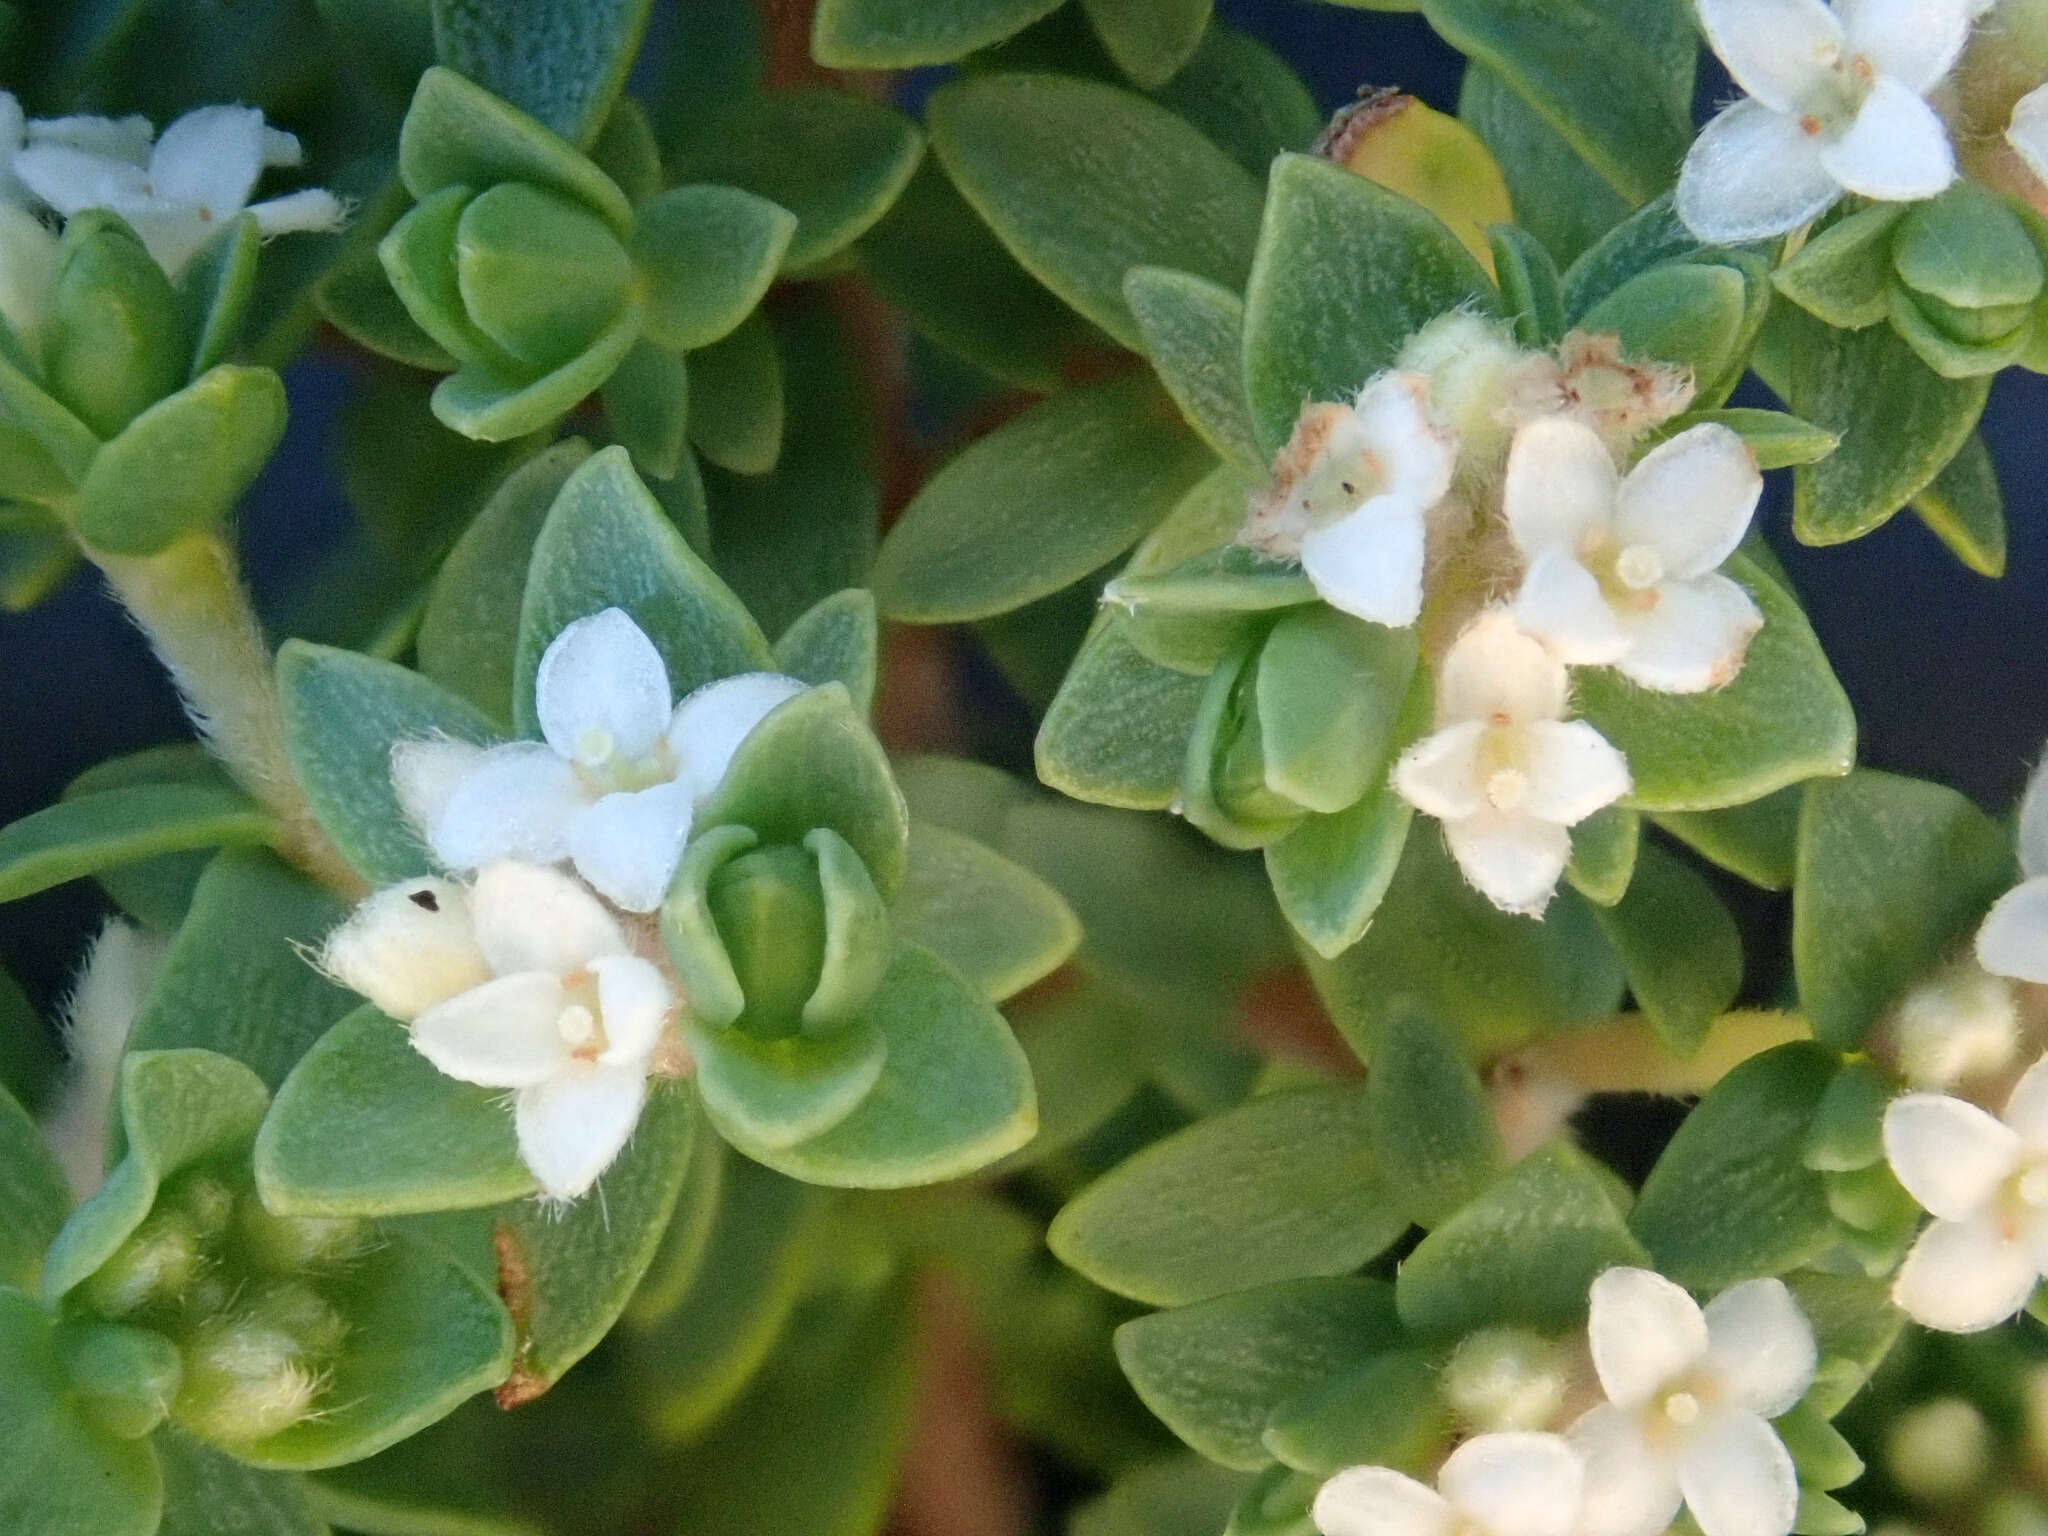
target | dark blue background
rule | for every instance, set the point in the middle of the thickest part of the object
(1942, 664)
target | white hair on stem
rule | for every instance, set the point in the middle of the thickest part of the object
(112, 983)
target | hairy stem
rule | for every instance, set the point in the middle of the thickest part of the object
(190, 601)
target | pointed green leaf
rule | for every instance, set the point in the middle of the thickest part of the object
(1692, 314)
(563, 67)
(1432, 1127)
(34, 1197)
(207, 1493)
(114, 827)
(1386, 1412)
(357, 299)
(1331, 872)
(647, 407)
(738, 415)
(1530, 290)
(767, 1095)
(1150, 40)
(709, 254)
(1758, 841)
(1604, 849)
(1243, 96)
(1778, 440)
(1193, 335)
(895, 34)
(836, 640)
(1678, 946)
(1117, 732)
(995, 922)
(214, 290)
(1085, 1044)
(1180, 1495)
(1966, 510)
(1841, 274)
(490, 406)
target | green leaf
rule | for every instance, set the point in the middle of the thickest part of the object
(709, 254)
(480, 402)
(1647, 238)
(1332, 694)
(1892, 872)
(608, 544)
(1678, 947)
(737, 411)
(1038, 503)
(1281, 1187)
(567, 1273)
(896, 34)
(1694, 314)
(996, 923)
(182, 464)
(1595, 80)
(1117, 732)
(1730, 1199)
(1841, 274)
(1530, 289)
(1150, 39)
(647, 406)
(1604, 849)
(64, 1475)
(34, 1197)
(1346, 272)
(954, 1094)
(342, 714)
(1193, 334)
(1280, 1502)
(236, 979)
(836, 640)
(1854, 1323)
(835, 160)
(1331, 872)
(214, 291)
(120, 826)
(1523, 1252)
(469, 633)
(765, 1096)
(207, 1493)
(1242, 95)
(1083, 1044)
(1783, 719)
(562, 67)
(1433, 1133)
(1778, 440)
(1386, 1412)
(1966, 510)
(1557, 196)
(1083, 181)
(1215, 1371)
(366, 1126)
(1180, 1496)
(1847, 1133)
(1758, 841)
(156, 892)
(357, 299)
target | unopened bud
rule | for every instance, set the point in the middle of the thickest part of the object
(204, 1198)
(154, 1266)
(1505, 1378)
(292, 1245)
(1939, 1450)
(1962, 1025)
(300, 1311)
(243, 1381)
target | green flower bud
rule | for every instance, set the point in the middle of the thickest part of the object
(1939, 1450)
(204, 1198)
(295, 1308)
(538, 274)
(154, 1266)
(114, 342)
(126, 1377)
(1968, 265)
(244, 1379)
(1506, 1378)
(291, 1245)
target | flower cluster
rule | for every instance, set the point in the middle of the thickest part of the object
(518, 976)
(1688, 1396)
(1473, 462)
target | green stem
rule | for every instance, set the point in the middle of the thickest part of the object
(1625, 1055)
(190, 601)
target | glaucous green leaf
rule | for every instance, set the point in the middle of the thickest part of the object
(1331, 872)
(357, 299)
(708, 254)
(366, 1126)
(1758, 841)
(34, 1198)
(1560, 199)
(835, 640)
(995, 922)
(738, 413)
(1281, 1187)
(1386, 1412)
(1346, 271)
(1242, 95)
(1193, 334)
(493, 407)
(1678, 947)
(1891, 873)
(155, 892)
(1778, 440)
(562, 67)
(1604, 849)
(1966, 510)
(1841, 274)
(1694, 314)
(1117, 731)
(1084, 1044)
(1149, 39)
(1179, 1496)
(1083, 181)
(767, 1095)
(1039, 503)
(120, 826)
(342, 713)
(1649, 237)
(1783, 719)
(896, 34)
(647, 407)
(1730, 1198)
(1432, 1126)
(207, 1493)
(1530, 291)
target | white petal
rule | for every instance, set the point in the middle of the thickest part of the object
(408, 947)
(425, 773)
(2014, 939)
(1752, 174)
(635, 1000)
(2033, 829)
(209, 158)
(1573, 771)
(602, 690)
(1645, 1333)
(2028, 133)
(1378, 1501)
(534, 919)
(1513, 860)
(117, 138)
(1950, 1155)
(1369, 562)
(1916, 42)
(171, 232)
(2026, 1109)
(1760, 1347)
(310, 211)
(1415, 455)
(1439, 775)
(1691, 499)
(1561, 604)
(1631, 1485)
(1897, 150)
(1560, 486)
(513, 804)
(1738, 1479)
(504, 1034)
(571, 1127)
(1964, 1277)
(1495, 672)
(1778, 50)
(1516, 1484)
(627, 845)
(73, 179)
(1693, 637)
(281, 148)
(710, 724)
(28, 269)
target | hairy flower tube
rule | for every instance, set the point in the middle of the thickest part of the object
(1506, 1484)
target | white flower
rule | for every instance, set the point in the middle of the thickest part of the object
(198, 176)
(1509, 1484)
(614, 785)
(2028, 131)
(1622, 570)
(525, 982)
(1690, 1394)
(1836, 103)
(1505, 772)
(2014, 939)
(1985, 1181)
(1351, 496)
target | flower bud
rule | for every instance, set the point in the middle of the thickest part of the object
(537, 273)
(243, 1380)
(155, 1266)
(1939, 1450)
(126, 1377)
(297, 1309)
(204, 1198)
(1506, 1378)
(1962, 1025)
(114, 343)
(292, 1245)
(1967, 265)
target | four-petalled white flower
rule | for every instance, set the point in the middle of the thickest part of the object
(1505, 772)
(1351, 497)
(1507, 1484)
(1622, 570)
(1984, 1179)
(196, 177)
(617, 780)
(522, 981)
(2014, 939)
(1837, 102)
(1690, 1396)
